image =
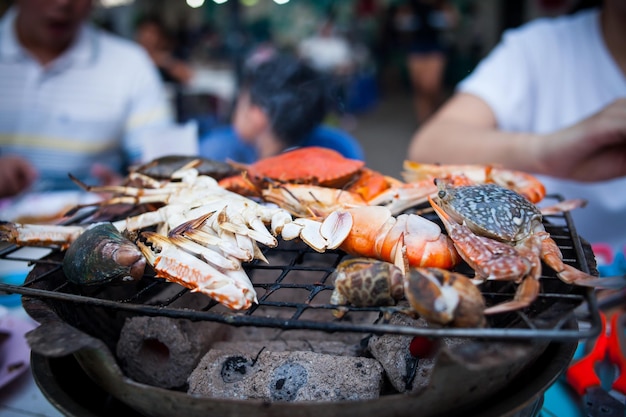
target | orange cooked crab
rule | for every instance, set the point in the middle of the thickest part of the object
(307, 165)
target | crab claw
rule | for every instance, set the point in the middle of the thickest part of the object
(527, 292)
(551, 254)
(43, 235)
(336, 228)
(320, 236)
(231, 288)
(444, 297)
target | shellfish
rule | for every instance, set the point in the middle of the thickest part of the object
(486, 221)
(102, 254)
(439, 296)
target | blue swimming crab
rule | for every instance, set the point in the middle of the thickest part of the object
(500, 234)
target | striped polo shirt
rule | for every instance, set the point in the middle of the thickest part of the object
(97, 103)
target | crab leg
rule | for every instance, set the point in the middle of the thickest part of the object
(211, 256)
(529, 287)
(308, 230)
(237, 224)
(523, 183)
(44, 235)
(231, 288)
(404, 196)
(227, 243)
(552, 256)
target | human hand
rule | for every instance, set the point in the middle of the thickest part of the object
(591, 150)
(16, 174)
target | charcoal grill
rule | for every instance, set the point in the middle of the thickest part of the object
(294, 290)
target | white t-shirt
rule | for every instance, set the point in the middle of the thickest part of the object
(549, 74)
(326, 53)
(96, 103)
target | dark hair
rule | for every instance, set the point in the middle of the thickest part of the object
(295, 97)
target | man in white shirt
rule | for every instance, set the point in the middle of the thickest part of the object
(549, 99)
(74, 99)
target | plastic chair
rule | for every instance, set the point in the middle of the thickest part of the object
(337, 139)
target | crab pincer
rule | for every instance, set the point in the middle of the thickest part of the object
(231, 288)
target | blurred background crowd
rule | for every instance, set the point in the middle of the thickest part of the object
(200, 46)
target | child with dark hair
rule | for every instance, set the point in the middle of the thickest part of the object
(281, 104)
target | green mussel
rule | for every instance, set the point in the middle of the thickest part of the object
(102, 254)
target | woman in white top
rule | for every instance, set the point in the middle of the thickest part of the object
(549, 99)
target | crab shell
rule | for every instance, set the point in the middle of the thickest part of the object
(490, 210)
(307, 165)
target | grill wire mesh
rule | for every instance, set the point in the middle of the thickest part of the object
(294, 290)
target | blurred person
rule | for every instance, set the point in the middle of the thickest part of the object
(550, 99)
(281, 104)
(74, 99)
(327, 50)
(153, 36)
(415, 29)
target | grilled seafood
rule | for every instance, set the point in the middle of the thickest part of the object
(521, 182)
(231, 288)
(102, 254)
(98, 253)
(197, 219)
(315, 201)
(315, 166)
(445, 297)
(366, 282)
(439, 296)
(314, 181)
(407, 238)
(164, 167)
(485, 222)
(46, 235)
(373, 232)
(308, 165)
(311, 201)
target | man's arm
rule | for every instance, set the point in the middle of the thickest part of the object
(464, 131)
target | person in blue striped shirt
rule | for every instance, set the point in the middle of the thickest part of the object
(75, 99)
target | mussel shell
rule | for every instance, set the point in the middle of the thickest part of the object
(102, 254)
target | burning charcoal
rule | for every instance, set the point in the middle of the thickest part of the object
(253, 347)
(287, 377)
(162, 351)
(476, 368)
(406, 371)
(235, 368)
